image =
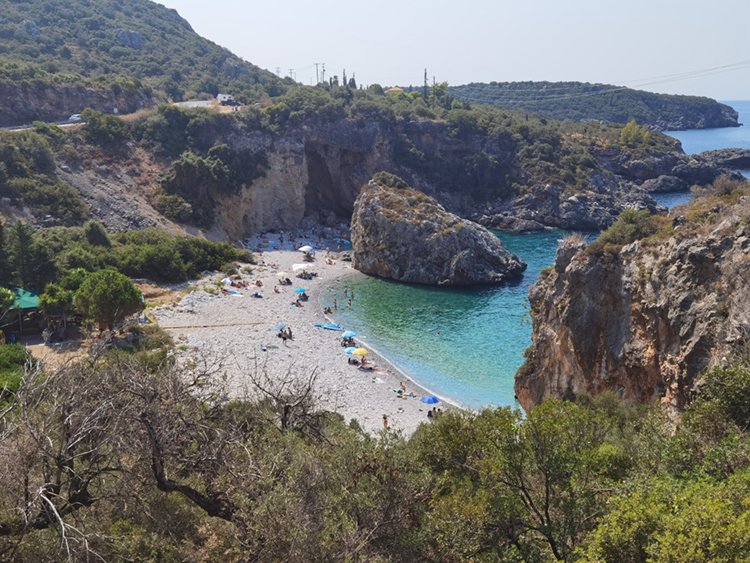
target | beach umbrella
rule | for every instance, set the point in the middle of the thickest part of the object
(296, 267)
(307, 248)
(350, 350)
(360, 352)
(349, 334)
(430, 399)
(282, 274)
(279, 327)
(300, 290)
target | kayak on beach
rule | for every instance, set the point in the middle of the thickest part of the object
(328, 326)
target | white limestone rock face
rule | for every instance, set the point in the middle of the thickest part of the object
(401, 234)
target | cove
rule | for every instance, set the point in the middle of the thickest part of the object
(463, 344)
(466, 345)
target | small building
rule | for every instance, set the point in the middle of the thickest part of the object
(226, 100)
(21, 317)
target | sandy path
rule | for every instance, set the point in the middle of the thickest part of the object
(239, 333)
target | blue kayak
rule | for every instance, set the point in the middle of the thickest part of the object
(329, 326)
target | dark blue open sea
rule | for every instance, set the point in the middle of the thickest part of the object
(466, 345)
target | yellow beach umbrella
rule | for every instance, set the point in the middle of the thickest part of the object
(360, 352)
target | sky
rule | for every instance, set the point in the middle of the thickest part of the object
(697, 47)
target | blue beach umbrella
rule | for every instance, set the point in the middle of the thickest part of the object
(430, 399)
(349, 334)
(350, 349)
(279, 327)
(300, 290)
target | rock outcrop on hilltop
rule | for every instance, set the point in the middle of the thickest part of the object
(401, 234)
(644, 320)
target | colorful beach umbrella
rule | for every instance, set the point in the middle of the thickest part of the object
(350, 350)
(360, 352)
(348, 334)
(430, 399)
(300, 290)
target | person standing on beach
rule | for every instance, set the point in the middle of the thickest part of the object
(385, 422)
(335, 304)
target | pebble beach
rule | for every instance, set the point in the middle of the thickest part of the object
(236, 333)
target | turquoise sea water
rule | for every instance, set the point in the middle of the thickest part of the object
(466, 345)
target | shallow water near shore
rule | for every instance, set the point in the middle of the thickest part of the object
(466, 345)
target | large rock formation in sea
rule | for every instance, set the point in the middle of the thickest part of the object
(401, 234)
(645, 319)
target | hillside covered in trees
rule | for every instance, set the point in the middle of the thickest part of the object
(581, 101)
(136, 49)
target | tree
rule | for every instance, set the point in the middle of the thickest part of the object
(529, 487)
(107, 296)
(56, 301)
(7, 297)
(5, 273)
(29, 259)
(633, 135)
(96, 234)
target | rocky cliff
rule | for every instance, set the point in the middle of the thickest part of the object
(322, 166)
(644, 320)
(401, 234)
(24, 102)
(312, 171)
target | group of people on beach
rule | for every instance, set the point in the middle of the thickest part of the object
(434, 413)
(285, 334)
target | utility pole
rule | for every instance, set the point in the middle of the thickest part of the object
(317, 77)
(291, 73)
(323, 72)
(424, 88)
(278, 71)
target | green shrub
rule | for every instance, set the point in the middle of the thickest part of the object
(104, 129)
(13, 358)
(175, 208)
(108, 297)
(631, 225)
(96, 234)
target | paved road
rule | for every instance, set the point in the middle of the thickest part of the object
(63, 124)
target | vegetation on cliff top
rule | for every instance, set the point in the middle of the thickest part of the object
(640, 225)
(120, 45)
(579, 101)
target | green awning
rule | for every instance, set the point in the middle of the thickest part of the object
(25, 299)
